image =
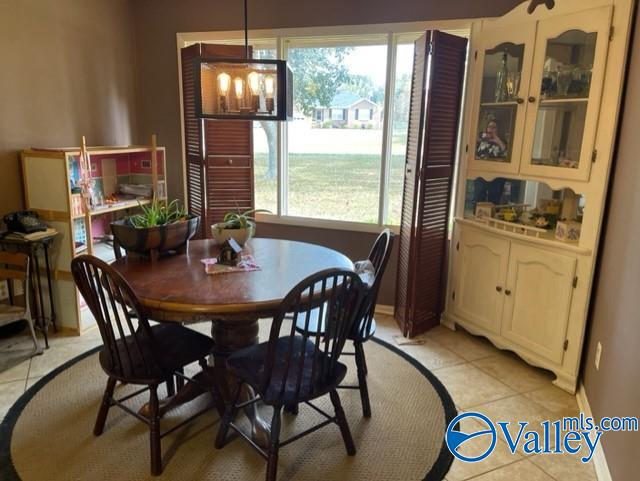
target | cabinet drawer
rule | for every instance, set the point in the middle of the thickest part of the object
(229, 160)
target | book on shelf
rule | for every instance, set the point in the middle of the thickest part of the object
(49, 232)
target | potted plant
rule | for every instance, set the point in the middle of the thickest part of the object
(240, 226)
(160, 228)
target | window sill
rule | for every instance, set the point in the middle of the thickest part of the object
(324, 223)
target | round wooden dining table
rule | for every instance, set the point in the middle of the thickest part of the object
(177, 289)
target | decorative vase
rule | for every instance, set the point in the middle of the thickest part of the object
(241, 236)
(154, 241)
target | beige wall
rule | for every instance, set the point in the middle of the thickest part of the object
(614, 390)
(67, 71)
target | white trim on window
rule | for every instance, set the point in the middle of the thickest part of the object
(323, 223)
(387, 128)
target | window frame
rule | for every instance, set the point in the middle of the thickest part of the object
(391, 34)
(337, 111)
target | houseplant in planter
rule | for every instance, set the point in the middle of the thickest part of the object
(159, 229)
(239, 226)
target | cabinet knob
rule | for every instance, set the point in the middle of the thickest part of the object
(532, 100)
(507, 292)
(498, 288)
(520, 100)
(230, 161)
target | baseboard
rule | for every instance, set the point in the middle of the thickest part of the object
(384, 309)
(599, 461)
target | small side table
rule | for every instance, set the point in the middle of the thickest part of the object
(31, 248)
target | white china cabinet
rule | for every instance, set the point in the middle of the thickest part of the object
(541, 112)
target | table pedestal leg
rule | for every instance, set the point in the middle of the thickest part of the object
(230, 337)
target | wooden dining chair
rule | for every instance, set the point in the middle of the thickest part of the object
(14, 269)
(365, 327)
(176, 382)
(292, 367)
(133, 351)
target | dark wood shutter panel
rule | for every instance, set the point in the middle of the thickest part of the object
(431, 148)
(228, 137)
(224, 180)
(193, 138)
(414, 152)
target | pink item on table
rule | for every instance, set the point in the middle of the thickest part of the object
(247, 264)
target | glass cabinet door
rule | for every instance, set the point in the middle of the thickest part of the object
(566, 85)
(501, 76)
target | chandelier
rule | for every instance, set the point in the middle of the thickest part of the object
(243, 88)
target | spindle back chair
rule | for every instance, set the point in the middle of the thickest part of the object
(134, 352)
(365, 326)
(292, 366)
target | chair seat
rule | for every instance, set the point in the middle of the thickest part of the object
(176, 346)
(10, 313)
(312, 327)
(249, 365)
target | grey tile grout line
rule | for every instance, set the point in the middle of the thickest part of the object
(474, 406)
(528, 365)
(28, 372)
(434, 339)
(498, 468)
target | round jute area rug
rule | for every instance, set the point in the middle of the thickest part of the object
(47, 434)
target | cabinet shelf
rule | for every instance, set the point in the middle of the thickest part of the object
(130, 204)
(547, 239)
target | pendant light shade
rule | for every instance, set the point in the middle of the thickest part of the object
(243, 89)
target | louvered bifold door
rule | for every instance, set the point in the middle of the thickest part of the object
(194, 150)
(228, 155)
(218, 153)
(412, 165)
(439, 66)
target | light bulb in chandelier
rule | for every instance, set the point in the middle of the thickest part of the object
(224, 83)
(238, 85)
(253, 79)
(269, 87)
(269, 91)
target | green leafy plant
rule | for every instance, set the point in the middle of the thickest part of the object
(239, 220)
(158, 214)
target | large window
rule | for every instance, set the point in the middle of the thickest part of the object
(342, 157)
(334, 167)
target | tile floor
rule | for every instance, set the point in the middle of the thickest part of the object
(477, 375)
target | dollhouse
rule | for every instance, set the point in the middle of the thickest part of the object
(79, 192)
